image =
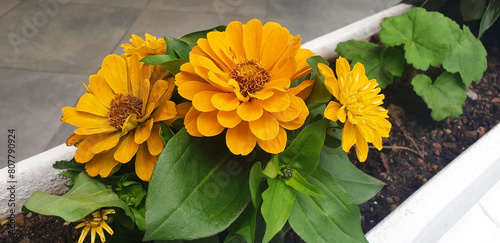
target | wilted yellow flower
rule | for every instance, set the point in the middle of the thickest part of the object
(150, 46)
(357, 104)
(240, 80)
(119, 116)
(95, 222)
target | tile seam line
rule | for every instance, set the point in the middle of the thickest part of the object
(43, 71)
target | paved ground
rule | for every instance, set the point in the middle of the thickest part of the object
(48, 46)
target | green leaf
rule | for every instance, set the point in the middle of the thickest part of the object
(245, 225)
(300, 184)
(277, 202)
(335, 218)
(192, 38)
(490, 16)
(169, 62)
(319, 94)
(165, 133)
(444, 97)
(177, 48)
(421, 33)
(468, 57)
(69, 165)
(382, 64)
(197, 189)
(272, 167)
(360, 186)
(303, 153)
(472, 9)
(255, 179)
(86, 196)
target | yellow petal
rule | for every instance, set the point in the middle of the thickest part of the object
(365, 131)
(82, 119)
(109, 141)
(292, 112)
(228, 119)
(126, 149)
(155, 144)
(341, 114)
(285, 68)
(84, 153)
(74, 139)
(101, 89)
(90, 104)
(92, 131)
(279, 84)
(275, 145)
(135, 74)
(240, 139)
(348, 136)
(114, 70)
(189, 89)
(225, 101)
(144, 163)
(143, 132)
(93, 167)
(302, 67)
(303, 90)
(377, 141)
(145, 94)
(331, 111)
(208, 125)
(202, 101)
(273, 47)
(299, 121)
(262, 94)
(203, 65)
(252, 39)
(166, 111)
(265, 128)
(332, 85)
(219, 46)
(325, 70)
(234, 35)
(83, 235)
(361, 147)
(159, 88)
(191, 122)
(280, 101)
(250, 111)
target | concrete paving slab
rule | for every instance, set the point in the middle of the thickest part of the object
(7, 5)
(31, 104)
(115, 3)
(68, 38)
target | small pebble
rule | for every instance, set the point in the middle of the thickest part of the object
(389, 200)
(393, 207)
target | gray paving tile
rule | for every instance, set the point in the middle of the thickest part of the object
(115, 3)
(71, 38)
(7, 5)
(162, 22)
(31, 103)
(314, 18)
(223, 8)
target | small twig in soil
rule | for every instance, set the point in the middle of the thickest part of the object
(400, 147)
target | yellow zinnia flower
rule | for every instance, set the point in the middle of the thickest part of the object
(358, 105)
(119, 116)
(95, 222)
(240, 80)
(150, 46)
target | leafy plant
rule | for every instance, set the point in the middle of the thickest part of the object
(415, 41)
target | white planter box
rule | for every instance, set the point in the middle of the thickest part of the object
(424, 217)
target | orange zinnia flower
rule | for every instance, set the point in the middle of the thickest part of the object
(358, 105)
(150, 46)
(240, 80)
(119, 116)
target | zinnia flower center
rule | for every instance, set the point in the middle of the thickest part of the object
(121, 107)
(251, 76)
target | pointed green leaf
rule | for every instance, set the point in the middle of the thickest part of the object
(444, 97)
(303, 153)
(382, 64)
(468, 57)
(360, 186)
(319, 94)
(197, 189)
(300, 184)
(335, 218)
(165, 133)
(277, 202)
(272, 167)
(472, 9)
(421, 33)
(255, 179)
(169, 62)
(245, 225)
(86, 196)
(177, 47)
(489, 17)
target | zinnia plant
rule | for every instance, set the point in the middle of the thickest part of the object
(230, 134)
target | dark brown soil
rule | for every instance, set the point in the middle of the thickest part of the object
(415, 151)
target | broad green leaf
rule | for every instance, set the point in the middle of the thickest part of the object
(303, 153)
(245, 225)
(468, 57)
(360, 186)
(277, 202)
(197, 189)
(69, 165)
(490, 16)
(272, 167)
(335, 218)
(255, 179)
(86, 196)
(472, 9)
(421, 33)
(169, 62)
(192, 38)
(380, 63)
(300, 184)
(444, 97)
(177, 48)
(319, 94)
